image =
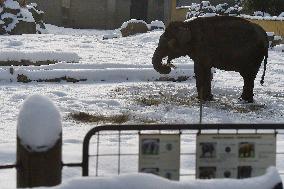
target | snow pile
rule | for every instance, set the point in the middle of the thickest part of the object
(260, 13)
(36, 56)
(156, 24)
(134, 26)
(98, 75)
(19, 19)
(205, 9)
(279, 48)
(125, 24)
(39, 123)
(276, 18)
(150, 181)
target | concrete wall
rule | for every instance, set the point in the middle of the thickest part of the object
(156, 10)
(122, 13)
(88, 13)
(100, 14)
(167, 11)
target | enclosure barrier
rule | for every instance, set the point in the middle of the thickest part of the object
(177, 128)
(124, 130)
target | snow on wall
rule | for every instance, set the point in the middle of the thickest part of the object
(273, 18)
(108, 74)
(39, 123)
(149, 181)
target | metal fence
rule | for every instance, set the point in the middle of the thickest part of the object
(122, 158)
(115, 147)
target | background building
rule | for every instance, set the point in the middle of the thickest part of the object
(102, 14)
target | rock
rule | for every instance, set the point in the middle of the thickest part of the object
(24, 28)
(7, 21)
(23, 78)
(2, 30)
(19, 18)
(133, 28)
(11, 11)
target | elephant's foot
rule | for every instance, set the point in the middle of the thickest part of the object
(208, 97)
(246, 100)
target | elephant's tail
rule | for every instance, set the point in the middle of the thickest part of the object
(265, 62)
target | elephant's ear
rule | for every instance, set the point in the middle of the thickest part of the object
(178, 33)
(183, 35)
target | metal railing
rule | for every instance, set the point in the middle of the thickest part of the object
(183, 129)
(118, 131)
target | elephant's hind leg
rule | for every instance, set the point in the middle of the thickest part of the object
(247, 94)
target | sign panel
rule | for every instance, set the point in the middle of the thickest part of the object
(234, 155)
(160, 154)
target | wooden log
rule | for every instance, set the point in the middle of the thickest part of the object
(39, 168)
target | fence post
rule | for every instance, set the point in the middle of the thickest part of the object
(39, 144)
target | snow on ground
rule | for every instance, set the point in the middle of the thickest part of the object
(147, 181)
(113, 94)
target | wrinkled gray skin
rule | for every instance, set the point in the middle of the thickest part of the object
(223, 42)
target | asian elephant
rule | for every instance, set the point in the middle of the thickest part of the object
(223, 42)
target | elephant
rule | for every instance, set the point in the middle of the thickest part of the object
(223, 42)
(246, 150)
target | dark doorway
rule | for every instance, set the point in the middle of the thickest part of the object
(139, 9)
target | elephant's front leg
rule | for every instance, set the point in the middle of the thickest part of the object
(203, 77)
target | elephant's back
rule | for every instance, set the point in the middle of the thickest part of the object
(230, 32)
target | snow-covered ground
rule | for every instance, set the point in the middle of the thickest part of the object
(119, 74)
(147, 181)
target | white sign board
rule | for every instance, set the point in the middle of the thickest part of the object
(160, 154)
(234, 155)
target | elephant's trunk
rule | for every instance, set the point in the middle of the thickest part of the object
(158, 56)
